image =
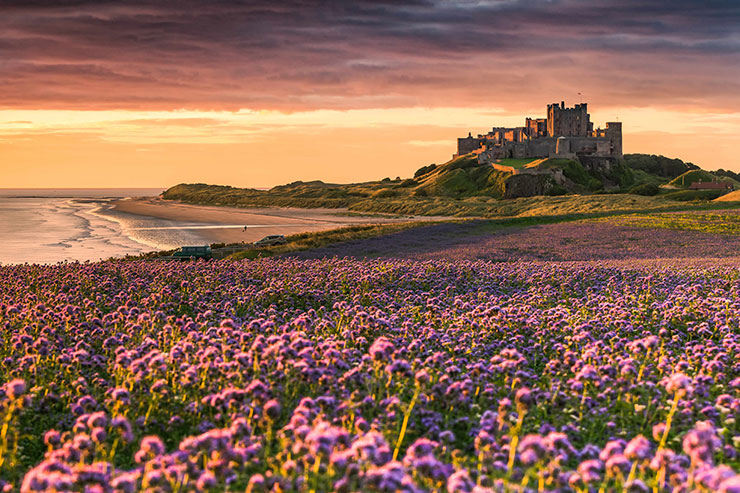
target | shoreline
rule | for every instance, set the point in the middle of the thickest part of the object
(216, 224)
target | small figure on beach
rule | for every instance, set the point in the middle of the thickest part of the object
(245, 228)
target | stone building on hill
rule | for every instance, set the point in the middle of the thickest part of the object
(565, 133)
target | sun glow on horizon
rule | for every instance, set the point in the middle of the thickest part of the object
(315, 144)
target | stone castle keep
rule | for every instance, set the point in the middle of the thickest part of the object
(565, 133)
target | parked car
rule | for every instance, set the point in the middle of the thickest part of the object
(188, 252)
(270, 240)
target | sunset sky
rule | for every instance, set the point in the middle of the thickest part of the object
(121, 94)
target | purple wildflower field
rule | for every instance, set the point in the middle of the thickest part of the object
(445, 374)
(567, 241)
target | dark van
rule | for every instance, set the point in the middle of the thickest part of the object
(194, 252)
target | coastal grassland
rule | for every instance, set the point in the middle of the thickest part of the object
(710, 218)
(622, 209)
(306, 241)
(401, 201)
(489, 207)
(718, 221)
(461, 187)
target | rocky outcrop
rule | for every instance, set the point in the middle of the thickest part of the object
(529, 185)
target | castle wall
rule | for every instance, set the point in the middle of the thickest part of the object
(468, 144)
(537, 139)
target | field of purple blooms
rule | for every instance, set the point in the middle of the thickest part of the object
(380, 375)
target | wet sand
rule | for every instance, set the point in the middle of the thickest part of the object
(214, 224)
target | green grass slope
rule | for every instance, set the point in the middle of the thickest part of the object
(462, 177)
(699, 175)
(461, 187)
(658, 166)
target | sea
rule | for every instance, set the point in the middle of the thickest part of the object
(47, 226)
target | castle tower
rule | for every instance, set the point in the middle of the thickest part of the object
(614, 134)
(568, 121)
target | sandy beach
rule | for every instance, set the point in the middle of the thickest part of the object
(214, 224)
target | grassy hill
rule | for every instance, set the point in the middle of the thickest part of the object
(699, 175)
(462, 187)
(658, 166)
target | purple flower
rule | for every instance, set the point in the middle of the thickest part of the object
(150, 447)
(590, 470)
(638, 448)
(15, 388)
(381, 349)
(730, 485)
(678, 383)
(460, 482)
(701, 442)
(272, 409)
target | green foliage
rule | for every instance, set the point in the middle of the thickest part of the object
(697, 175)
(424, 170)
(385, 193)
(573, 170)
(641, 177)
(516, 163)
(436, 189)
(462, 162)
(647, 189)
(595, 184)
(688, 195)
(727, 174)
(621, 174)
(658, 165)
(556, 190)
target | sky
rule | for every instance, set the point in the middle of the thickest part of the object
(153, 93)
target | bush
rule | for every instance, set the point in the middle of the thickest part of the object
(687, 195)
(385, 193)
(407, 183)
(658, 165)
(420, 192)
(594, 184)
(424, 170)
(556, 190)
(646, 189)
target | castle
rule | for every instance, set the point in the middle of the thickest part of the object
(565, 133)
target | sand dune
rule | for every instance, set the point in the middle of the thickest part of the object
(729, 197)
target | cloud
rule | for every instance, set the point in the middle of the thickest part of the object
(300, 55)
(427, 143)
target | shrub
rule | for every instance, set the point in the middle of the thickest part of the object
(409, 182)
(556, 190)
(687, 195)
(385, 193)
(646, 189)
(424, 170)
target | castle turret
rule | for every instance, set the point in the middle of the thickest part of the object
(568, 121)
(614, 134)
